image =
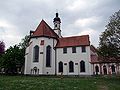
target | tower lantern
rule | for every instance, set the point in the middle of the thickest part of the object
(57, 23)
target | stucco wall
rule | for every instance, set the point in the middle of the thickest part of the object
(41, 65)
(65, 58)
(76, 58)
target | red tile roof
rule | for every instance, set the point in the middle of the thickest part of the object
(73, 41)
(94, 56)
(93, 49)
(94, 59)
(44, 29)
(108, 59)
(100, 59)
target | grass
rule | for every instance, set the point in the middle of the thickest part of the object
(56, 83)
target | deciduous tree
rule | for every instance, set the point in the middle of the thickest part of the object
(2, 47)
(12, 59)
(109, 45)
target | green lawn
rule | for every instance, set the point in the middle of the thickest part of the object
(56, 83)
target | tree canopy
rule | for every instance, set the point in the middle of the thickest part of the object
(13, 58)
(24, 42)
(2, 47)
(109, 45)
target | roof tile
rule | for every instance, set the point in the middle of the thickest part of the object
(73, 41)
(44, 29)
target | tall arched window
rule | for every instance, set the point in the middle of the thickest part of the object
(82, 66)
(36, 54)
(48, 56)
(60, 65)
(71, 66)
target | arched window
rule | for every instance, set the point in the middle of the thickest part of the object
(104, 70)
(60, 67)
(36, 54)
(82, 66)
(48, 56)
(71, 66)
(55, 25)
(113, 68)
(96, 69)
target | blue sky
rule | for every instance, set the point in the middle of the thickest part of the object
(79, 17)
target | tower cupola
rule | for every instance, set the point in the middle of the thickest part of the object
(56, 19)
(57, 23)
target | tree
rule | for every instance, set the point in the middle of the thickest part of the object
(25, 42)
(2, 47)
(109, 45)
(13, 59)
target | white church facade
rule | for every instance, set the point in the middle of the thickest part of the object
(49, 53)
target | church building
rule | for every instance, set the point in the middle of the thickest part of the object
(49, 53)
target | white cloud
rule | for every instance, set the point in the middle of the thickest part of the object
(83, 22)
(4, 23)
(77, 5)
(9, 33)
(87, 31)
(11, 40)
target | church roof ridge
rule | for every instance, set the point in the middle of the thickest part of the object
(76, 36)
(44, 29)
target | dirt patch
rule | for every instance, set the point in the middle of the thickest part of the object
(102, 87)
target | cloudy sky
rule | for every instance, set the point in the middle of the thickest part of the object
(79, 17)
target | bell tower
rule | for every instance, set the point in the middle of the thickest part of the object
(57, 23)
